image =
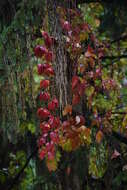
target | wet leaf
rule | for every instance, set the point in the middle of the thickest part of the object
(115, 154)
(99, 136)
(67, 110)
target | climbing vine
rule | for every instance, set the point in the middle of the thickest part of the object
(94, 90)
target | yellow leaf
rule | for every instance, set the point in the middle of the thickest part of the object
(67, 110)
(81, 129)
(66, 145)
(83, 36)
(51, 164)
(97, 21)
(89, 91)
(58, 156)
(99, 136)
(85, 134)
(124, 123)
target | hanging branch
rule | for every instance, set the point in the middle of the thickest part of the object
(91, 1)
(119, 39)
(96, 1)
(119, 137)
(114, 57)
(16, 178)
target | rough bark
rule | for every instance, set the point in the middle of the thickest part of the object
(60, 63)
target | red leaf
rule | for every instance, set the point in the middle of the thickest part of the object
(49, 71)
(89, 52)
(98, 72)
(45, 127)
(49, 56)
(40, 69)
(41, 141)
(65, 124)
(80, 89)
(54, 121)
(54, 137)
(99, 136)
(57, 121)
(50, 146)
(66, 25)
(68, 170)
(51, 106)
(55, 101)
(75, 82)
(80, 120)
(42, 154)
(76, 99)
(115, 154)
(43, 113)
(39, 51)
(85, 27)
(48, 40)
(51, 155)
(44, 96)
(44, 83)
(67, 109)
(45, 34)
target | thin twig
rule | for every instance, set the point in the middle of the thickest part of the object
(121, 113)
(114, 57)
(118, 39)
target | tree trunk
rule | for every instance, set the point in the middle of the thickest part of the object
(63, 75)
(60, 64)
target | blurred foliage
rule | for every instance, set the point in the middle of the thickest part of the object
(18, 77)
(19, 84)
